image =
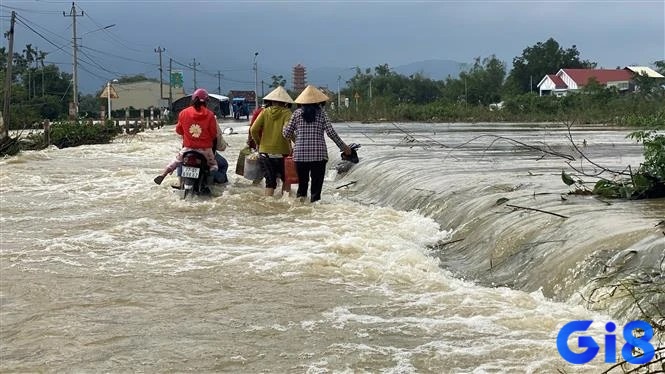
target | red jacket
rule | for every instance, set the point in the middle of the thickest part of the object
(198, 128)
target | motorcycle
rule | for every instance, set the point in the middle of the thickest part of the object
(194, 175)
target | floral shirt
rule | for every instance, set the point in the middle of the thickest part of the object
(310, 142)
(197, 127)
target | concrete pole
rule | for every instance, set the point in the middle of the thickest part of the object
(161, 79)
(170, 84)
(108, 99)
(8, 80)
(339, 94)
(256, 81)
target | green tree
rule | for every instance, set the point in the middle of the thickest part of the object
(541, 59)
(135, 78)
(480, 85)
(38, 96)
(277, 80)
(660, 66)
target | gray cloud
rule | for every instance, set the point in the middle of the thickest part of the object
(223, 35)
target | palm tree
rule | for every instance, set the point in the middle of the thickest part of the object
(277, 80)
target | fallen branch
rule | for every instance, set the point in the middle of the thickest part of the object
(439, 245)
(345, 185)
(367, 136)
(410, 139)
(584, 157)
(536, 210)
(548, 151)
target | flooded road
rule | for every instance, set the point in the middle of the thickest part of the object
(101, 270)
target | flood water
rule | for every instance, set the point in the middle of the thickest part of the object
(409, 264)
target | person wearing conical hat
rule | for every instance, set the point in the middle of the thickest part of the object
(267, 134)
(307, 127)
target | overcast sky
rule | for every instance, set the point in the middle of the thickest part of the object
(224, 35)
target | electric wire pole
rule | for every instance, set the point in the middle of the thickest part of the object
(161, 79)
(194, 65)
(73, 14)
(8, 79)
(219, 82)
(256, 81)
(170, 84)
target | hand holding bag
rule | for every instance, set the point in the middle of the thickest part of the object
(290, 172)
(240, 164)
(252, 167)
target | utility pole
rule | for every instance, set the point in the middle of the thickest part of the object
(339, 94)
(170, 84)
(8, 79)
(219, 82)
(73, 14)
(161, 84)
(194, 65)
(256, 81)
(530, 83)
(262, 93)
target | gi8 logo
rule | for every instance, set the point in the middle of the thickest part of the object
(592, 347)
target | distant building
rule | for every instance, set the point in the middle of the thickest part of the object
(249, 96)
(246, 98)
(299, 78)
(218, 104)
(566, 80)
(644, 70)
(143, 95)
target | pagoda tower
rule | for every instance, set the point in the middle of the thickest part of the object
(299, 78)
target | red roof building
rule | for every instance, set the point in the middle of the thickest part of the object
(578, 78)
(574, 79)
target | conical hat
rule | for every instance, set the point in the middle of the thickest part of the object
(311, 95)
(279, 94)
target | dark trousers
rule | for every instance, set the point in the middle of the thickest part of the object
(272, 168)
(315, 169)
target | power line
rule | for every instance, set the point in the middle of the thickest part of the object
(98, 65)
(214, 75)
(30, 10)
(42, 36)
(91, 60)
(38, 26)
(112, 36)
(119, 57)
(93, 74)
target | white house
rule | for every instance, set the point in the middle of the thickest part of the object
(644, 70)
(566, 80)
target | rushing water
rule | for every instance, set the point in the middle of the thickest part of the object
(101, 270)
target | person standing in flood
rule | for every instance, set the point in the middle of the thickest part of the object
(267, 134)
(307, 126)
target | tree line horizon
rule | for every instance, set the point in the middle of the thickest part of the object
(41, 91)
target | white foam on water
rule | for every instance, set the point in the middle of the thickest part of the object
(95, 212)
